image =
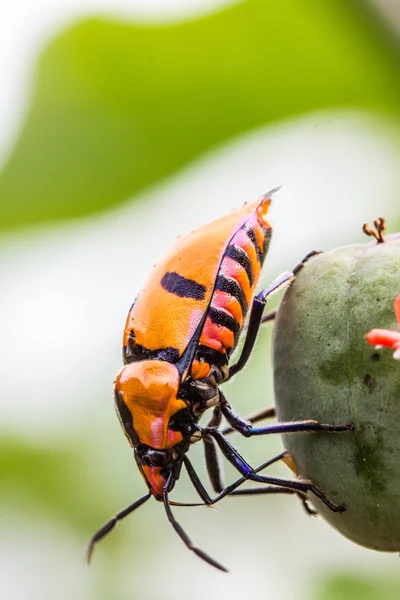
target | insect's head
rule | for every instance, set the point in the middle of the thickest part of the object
(157, 467)
(147, 403)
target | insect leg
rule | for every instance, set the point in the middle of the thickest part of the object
(184, 537)
(216, 418)
(194, 478)
(233, 456)
(305, 260)
(109, 526)
(213, 466)
(233, 491)
(269, 316)
(276, 490)
(265, 413)
(247, 430)
(256, 314)
(210, 452)
(257, 309)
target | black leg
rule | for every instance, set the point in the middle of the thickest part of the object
(210, 451)
(184, 537)
(247, 430)
(269, 316)
(216, 418)
(233, 491)
(194, 478)
(256, 314)
(213, 466)
(109, 526)
(257, 309)
(305, 260)
(215, 472)
(261, 491)
(266, 413)
(249, 473)
(276, 490)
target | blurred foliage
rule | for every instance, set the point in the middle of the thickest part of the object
(359, 587)
(117, 107)
(55, 477)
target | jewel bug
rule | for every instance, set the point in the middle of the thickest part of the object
(178, 339)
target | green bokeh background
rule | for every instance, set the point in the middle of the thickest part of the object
(117, 108)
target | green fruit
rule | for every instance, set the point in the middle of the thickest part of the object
(325, 370)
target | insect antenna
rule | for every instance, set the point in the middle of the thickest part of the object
(184, 537)
(109, 526)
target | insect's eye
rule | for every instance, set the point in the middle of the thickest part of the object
(157, 458)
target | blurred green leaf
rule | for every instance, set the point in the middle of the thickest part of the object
(117, 107)
(55, 478)
(359, 587)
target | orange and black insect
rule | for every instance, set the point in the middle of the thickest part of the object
(178, 339)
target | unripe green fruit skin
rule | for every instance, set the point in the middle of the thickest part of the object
(325, 370)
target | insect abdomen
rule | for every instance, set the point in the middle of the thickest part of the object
(237, 278)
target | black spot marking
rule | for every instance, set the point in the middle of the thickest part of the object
(220, 317)
(376, 356)
(168, 354)
(125, 418)
(267, 238)
(135, 352)
(211, 356)
(252, 237)
(230, 286)
(175, 284)
(369, 383)
(237, 254)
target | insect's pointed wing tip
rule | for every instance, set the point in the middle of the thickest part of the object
(268, 196)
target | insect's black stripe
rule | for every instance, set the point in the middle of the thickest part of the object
(181, 286)
(267, 238)
(252, 236)
(239, 255)
(231, 286)
(125, 417)
(135, 352)
(220, 317)
(211, 356)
